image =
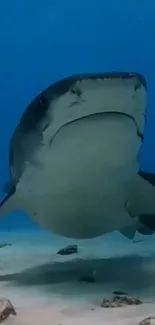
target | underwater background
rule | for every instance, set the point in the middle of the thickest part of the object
(44, 41)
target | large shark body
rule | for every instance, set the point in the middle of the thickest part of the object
(74, 164)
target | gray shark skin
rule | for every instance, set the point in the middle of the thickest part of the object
(34, 119)
(82, 193)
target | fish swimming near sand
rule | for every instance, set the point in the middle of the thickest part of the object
(74, 157)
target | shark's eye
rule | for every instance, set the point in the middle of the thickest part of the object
(42, 101)
(73, 91)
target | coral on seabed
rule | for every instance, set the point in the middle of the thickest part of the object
(6, 309)
(120, 301)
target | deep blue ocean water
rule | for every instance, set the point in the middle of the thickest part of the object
(41, 42)
(49, 40)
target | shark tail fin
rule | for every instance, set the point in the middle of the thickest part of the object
(128, 232)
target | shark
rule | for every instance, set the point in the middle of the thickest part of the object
(74, 158)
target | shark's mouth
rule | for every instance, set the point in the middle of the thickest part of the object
(111, 117)
(84, 175)
(96, 96)
(97, 115)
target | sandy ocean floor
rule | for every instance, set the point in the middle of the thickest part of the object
(45, 288)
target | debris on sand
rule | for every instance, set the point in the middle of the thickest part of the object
(88, 278)
(4, 245)
(120, 293)
(148, 321)
(120, 301)
(70, 249)
(6, 309)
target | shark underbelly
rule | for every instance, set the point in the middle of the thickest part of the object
(80, 186)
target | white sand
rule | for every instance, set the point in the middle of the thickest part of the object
(45, 288)
(79, 316)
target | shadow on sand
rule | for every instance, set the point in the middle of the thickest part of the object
(132, 274)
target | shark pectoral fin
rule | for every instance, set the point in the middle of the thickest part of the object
(128, 231)
(7, 203)
(7, 187)
(141, 199)
(144, 230)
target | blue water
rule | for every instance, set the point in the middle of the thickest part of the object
(41, 42)
(49, 40)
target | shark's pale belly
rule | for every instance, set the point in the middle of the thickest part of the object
(81, 185)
